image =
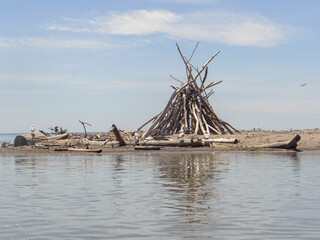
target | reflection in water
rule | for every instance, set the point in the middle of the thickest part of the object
(191, 181)
(118, 163)
(160, 196)
(296, 161)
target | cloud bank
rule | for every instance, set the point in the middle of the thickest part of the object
(210, 26)
(104, 31)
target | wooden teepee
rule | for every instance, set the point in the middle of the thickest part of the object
(188, 109)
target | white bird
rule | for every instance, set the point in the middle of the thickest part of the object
(32, 128)
(206, 135)
(136, 136)
(181, 134)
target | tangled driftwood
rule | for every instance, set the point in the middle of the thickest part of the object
(189, 110)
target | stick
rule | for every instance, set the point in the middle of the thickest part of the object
(193, 51)
(206, 64)
(85, 130)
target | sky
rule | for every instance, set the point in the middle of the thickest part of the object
(109, 62)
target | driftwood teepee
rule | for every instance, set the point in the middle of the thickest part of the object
(189, 110)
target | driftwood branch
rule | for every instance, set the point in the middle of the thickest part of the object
(84, 127)
(194, 50)
(291, 144)
(176, 79)
(116, 132)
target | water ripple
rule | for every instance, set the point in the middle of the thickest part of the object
(160, 196)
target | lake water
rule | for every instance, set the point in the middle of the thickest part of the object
(7, 137)
(161, 196)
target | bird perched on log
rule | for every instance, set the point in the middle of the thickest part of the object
(206, 135)
(149, 138)
(32, 128)
(181, 134)
(136, 136)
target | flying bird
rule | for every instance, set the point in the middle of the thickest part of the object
(302, 85)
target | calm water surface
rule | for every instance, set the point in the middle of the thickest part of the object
(161, 196)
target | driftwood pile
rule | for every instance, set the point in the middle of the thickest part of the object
(189, 110)
(117, 138)
(77, 142)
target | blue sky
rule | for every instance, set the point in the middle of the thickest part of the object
(108, 62)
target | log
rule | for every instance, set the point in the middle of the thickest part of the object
(28, 139)
(184, 111)
(58, 137)
(116, 132)
(146, 148)
(223, 140)
(78, 142)
(291, 144)
(176, 143)
(79, 150)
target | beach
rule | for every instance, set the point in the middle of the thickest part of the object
(246, 141)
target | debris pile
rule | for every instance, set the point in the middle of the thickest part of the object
(80, 142)
(189, 110)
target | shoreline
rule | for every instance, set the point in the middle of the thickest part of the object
(310, 141)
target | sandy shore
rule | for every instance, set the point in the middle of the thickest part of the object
(310, 141)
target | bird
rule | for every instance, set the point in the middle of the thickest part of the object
(149, 138)
(206, 135)
(32, 129)
(136, 136)
(181, 134)
(302, 85)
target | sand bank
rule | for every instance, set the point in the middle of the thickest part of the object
(247, 141)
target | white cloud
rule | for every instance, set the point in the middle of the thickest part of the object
(211, 26)
(50, 42)
(139, 22)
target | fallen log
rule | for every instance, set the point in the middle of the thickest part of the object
(176, 143)
(78, 142)
(79, 150)
(146, 148)
(291, 144)
(223, 140)
(58, 137)
(28, 139)
(33, 138)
